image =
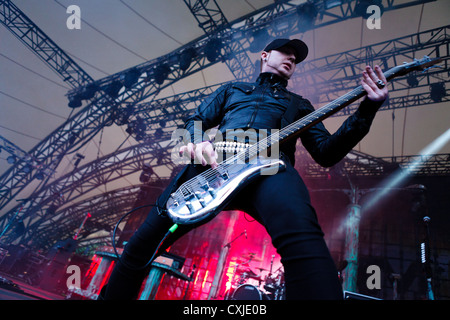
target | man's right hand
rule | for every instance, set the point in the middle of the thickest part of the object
(203, 153)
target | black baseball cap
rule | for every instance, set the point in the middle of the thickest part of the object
(300, 48)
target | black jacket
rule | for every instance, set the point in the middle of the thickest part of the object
(263, 105)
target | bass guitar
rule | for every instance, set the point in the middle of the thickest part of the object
(208, 193)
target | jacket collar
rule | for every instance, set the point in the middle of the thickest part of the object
(272, 79)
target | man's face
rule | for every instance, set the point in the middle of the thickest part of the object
(280, 62)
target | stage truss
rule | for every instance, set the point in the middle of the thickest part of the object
(323, 79)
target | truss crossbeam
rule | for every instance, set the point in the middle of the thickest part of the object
(38, 42)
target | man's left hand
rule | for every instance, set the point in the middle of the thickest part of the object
(369, 82)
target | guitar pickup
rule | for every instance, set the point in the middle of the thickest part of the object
(175, 198)
(190, 206)
(212, 192)
(189, 197)
(202, 202)
(200, 199)
(225, 176)
(188, 201)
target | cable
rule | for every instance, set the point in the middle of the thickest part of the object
(107, 36)
(32, 105)
(171, 230)
(154, 26)
(36, 73)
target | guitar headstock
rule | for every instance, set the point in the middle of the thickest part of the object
(416, 65)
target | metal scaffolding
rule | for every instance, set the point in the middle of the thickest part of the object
(40, 44)
(324, 78)
(118, 93)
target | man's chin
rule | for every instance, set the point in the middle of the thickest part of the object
(286, 76)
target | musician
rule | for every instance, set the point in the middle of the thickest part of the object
(280, 202)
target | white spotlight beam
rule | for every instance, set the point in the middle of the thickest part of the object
(401, 175)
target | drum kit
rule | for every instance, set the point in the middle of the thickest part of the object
(248, 285)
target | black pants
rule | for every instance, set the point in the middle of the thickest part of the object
(281, 204)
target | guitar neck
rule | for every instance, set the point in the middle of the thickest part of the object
(319, 115)
(326, 111)
(294, 129)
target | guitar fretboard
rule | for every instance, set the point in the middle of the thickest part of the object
(318, 115)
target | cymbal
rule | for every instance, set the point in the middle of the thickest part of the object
(251, 256)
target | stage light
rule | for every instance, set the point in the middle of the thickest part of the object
(185, 58)
(11, 159)
(161, 73)
(437, 91)
(73, 137)
(140, 136)
(159, 133)
(412, 80)
(89, 91)
(261, 38)
(213, 49)
(78, 159)
(137, 128)
(129, 78)
(120, 115)
(113, 89)
(74, 101)
(131, 128)
(146, 173)
(307, 14)
(39, 175)
(162, 123)
(27, 168)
